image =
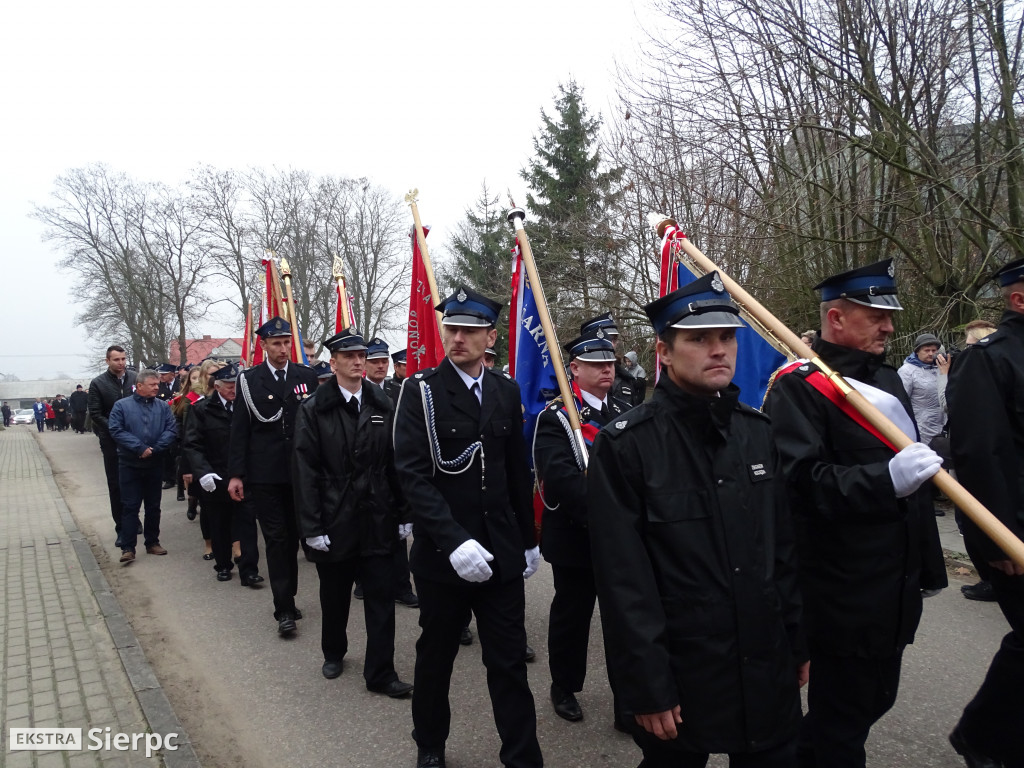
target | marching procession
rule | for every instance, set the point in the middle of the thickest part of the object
(739, 541)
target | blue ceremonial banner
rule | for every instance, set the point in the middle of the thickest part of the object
(756, 359)
(530, 365)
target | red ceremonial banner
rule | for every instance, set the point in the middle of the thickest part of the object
(424, 349)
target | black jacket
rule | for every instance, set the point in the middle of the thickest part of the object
(627, 387)
(207, 437)
(343, 475)
(261, 450)
(79, 401)
(865, 555)
(104, 391)
(393, 388)
(564, 539)
(986, 428)
(695, 567)
(488, 500)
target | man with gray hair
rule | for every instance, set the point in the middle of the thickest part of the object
(143, 428)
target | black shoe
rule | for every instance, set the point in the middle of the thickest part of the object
(396, 689)
(972, 758)
(331, 669)
(168, 484)
(940, 513)
(982, 591)
(466, 638)
(358, 594)
(409, 600)
(530, 653)
(430, 758)
(224, 575)
(286, 623)
(208, 556)
(192, 511)
(181, 496)
(566, 706)
(298, 614)
(252, 581)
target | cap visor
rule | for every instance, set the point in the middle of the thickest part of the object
(596, 356)
(469, 321)
(379, 356)
(709, 320)
(885, 301)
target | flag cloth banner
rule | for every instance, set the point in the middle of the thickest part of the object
(343, 307)
(756, 359)
(529, 361)
(423, 343)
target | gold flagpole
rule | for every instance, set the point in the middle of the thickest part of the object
(286, 273)
(424, 253)
(339, 275)
(959, 495)
(516, 217)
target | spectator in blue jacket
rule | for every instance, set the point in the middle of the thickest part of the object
(39, 411)
(143, 428)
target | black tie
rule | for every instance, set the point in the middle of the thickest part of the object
(228, 406)
(604, 411)
(353, 406)
(280, 376)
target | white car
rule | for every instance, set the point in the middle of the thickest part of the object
(23, 416)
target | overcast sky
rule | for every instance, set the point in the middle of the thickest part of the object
(437, 96)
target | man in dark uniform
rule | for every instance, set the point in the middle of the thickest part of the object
(393, 384)
(259, 463)
(565, 540)
(377, 360)
(626, 387)
(468, 481)
(351, 509)
(866, 534)
(986, 429)
(62, 411)
(105, 390)
(694, 555)
(167, 377)
(79, 403)
(206, 444)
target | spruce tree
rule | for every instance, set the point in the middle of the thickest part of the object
(571, 202)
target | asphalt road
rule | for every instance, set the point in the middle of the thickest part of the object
(248, 698)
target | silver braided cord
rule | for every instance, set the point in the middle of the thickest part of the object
(252, 407)
(460, 463)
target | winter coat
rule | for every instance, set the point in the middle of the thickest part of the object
(137, 423)
(104, 391)
(696, 569)
(343, 474)
(921, 381)
(865, 555)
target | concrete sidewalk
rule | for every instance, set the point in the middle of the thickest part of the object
(70, 658)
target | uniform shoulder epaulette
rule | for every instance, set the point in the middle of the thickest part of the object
(500, 374)
(426, 373)
(993, 338)
(751, 411)
(628, 420)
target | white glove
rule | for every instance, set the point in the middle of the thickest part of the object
(470, 561)
(320, 543)
(532, 562)
(209, 482)
(911, 467)
(404, 531)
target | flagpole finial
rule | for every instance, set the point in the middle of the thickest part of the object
(659, 222)
(516, 213)
(411, 197)
(338, 268)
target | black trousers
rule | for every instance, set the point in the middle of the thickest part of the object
(846, 696)
(569, 626)
(400, 569)
(110, 468)
(500, 611)
(993, 719)
(219, 510)
(244, 531)
(78, 421)
(660, 754)
(140, 485)
(336, 581)
(275, 510)
(170, 465)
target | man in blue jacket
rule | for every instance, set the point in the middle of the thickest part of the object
(143, 428)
